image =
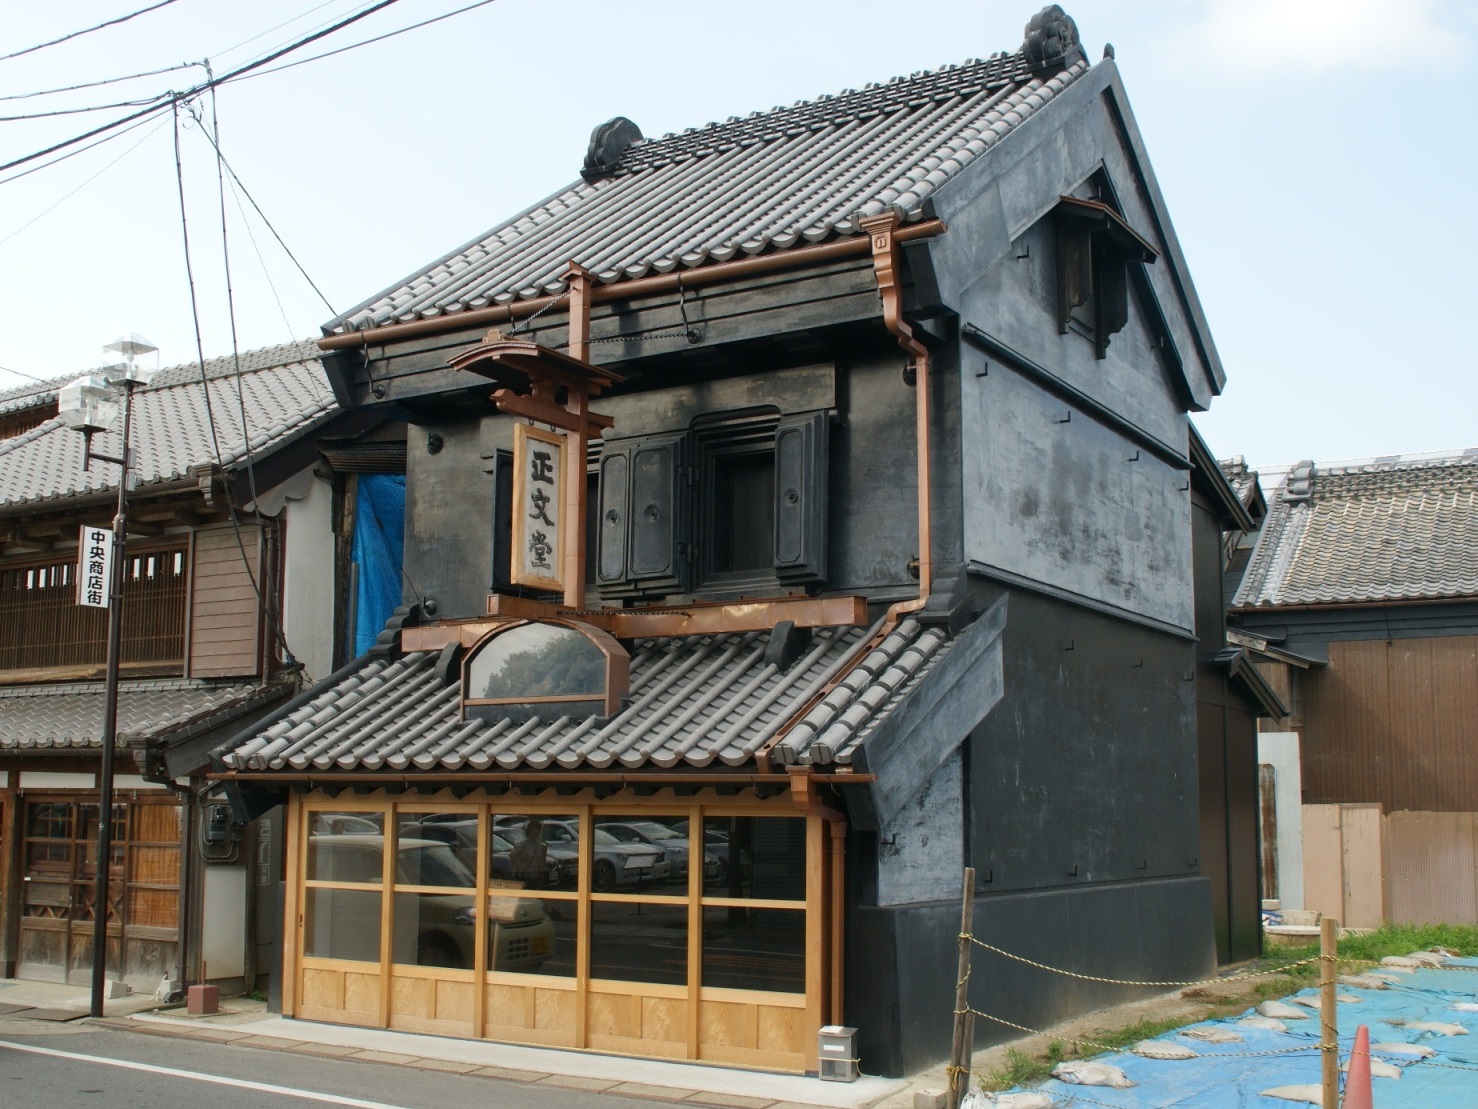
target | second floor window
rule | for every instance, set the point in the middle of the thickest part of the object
(43, 627)
(734, 504)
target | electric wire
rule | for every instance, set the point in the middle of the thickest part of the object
(79, 150)
(83, 111)
(210, 418)
(88, 30)
(368, 41)
(176, 97)
(221, 159)
(261, 260)
(22, 373)
(98, 83)
(68, 196)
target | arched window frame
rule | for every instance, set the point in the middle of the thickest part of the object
(617, 675)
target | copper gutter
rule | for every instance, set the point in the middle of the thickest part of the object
(853, 247)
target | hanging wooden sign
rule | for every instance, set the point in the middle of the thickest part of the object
(538, 504)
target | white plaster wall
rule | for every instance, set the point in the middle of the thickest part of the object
(223, 929)
(36, 779)
(133, 781)
(1281, 751)
(4, 778)
(921, 854)
(308, 579)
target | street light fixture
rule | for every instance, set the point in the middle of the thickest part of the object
(89, 405)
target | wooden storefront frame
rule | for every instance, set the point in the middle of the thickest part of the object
(768, 1019)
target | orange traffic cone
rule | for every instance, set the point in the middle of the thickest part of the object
(1357, 1082)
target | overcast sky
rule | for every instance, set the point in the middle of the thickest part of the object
(1311, 153)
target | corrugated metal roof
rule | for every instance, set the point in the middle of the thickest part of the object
(284, 394)
(695, 701)
(769, 181)
(70, 715)
(1384, 529)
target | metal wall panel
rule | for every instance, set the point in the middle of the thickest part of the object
(1431, 867)
(1394, 722)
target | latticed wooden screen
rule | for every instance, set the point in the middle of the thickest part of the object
(41, 624)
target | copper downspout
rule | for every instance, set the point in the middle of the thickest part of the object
(625, 290)
(579, 279)
(884, 234)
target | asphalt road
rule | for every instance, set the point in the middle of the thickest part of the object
(84, 1066)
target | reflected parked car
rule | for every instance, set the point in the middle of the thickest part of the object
(616, 864)
(673, 844)
(440, 932)
(461, 832)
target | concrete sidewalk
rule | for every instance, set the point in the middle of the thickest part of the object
(247, 1024)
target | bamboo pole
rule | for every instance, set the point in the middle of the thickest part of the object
(961, 1048)
(1328, 1015)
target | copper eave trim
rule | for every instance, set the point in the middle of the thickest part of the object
(855, 246)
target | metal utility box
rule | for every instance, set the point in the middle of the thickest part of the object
(836, 1053)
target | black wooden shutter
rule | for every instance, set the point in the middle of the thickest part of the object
(800, 497)
(645, 545)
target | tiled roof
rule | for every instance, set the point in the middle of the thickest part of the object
(768, 181)
(1244, 482)
(1384, 529)
(695, 701)
(283, 391)
(31, 395)
(70, 715)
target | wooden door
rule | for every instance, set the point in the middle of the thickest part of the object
(59, 890)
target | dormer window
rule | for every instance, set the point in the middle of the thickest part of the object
(1094, 248)
(525, 668)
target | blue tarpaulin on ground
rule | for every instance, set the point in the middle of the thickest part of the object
(379, 536)
(1233, 1075)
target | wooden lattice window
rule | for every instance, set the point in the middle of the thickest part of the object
(42, 626)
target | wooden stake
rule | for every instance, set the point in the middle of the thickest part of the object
(961, 1049)
(1328, 1015)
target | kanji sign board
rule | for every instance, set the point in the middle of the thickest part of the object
(94, 567)
(538, 500)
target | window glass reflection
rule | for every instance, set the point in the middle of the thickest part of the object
(534, 661)
(534, 850)
(754, 949)
(346, 857)
(759, 857)
(531, 936)
(458, 830)
(639, 942)
(341, 924)
(668, 836)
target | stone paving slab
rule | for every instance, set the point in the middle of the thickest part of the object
(654, 1093)
(370, 1056)
(732, 1101)
(7, 1009)
(508, 1073)
(332, 1051)
(444, 1065)
(269, 1043)
(54, 1014)
(576, 1082)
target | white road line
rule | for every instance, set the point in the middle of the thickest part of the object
(218, 1080)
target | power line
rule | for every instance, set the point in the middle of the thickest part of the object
(99, 82)
(176, 98)
(82, 111)
(62, 200)
(367, 42)
(221, 159)
(22, 373)
(88, 30)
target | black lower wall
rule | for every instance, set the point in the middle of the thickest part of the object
(901, 962)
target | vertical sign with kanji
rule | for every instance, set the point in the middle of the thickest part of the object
(538, 488)
(94, 567)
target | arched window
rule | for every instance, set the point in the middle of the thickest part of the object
(544, 668)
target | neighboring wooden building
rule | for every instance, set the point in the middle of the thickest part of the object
(881, 567)
(1364, 577)
(227, 564)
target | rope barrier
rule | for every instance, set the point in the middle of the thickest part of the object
(1131, 982)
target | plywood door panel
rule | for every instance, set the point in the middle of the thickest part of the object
(1323, 860)
(727, 1024)
(782, 1030)
(1360, 842)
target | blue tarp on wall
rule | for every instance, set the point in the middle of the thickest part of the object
(379, 538)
